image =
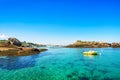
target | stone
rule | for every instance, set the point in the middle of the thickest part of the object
(14, 41)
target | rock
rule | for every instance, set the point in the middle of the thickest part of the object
(88, 44)
(36, 50)
(21, 51)
(13, 47)
(115, 45)
(14, 41)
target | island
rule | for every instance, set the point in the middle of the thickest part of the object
(14, 47)
(92, 44)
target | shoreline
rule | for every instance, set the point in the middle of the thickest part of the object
(14, 47)
(4, 51)
(92, 44)
(90, 47)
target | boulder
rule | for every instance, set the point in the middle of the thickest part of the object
(14, 41)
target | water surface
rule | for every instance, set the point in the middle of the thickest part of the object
(63, 64)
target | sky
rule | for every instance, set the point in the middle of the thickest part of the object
(60, 21)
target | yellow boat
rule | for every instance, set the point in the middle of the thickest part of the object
(90, 53)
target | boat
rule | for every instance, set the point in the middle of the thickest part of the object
(90, 53)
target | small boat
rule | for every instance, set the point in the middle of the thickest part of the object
(90, 53)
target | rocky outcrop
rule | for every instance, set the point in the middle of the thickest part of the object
(115, 45)
(14, 41)
(14, 47)
(20, 51)
(88, 44)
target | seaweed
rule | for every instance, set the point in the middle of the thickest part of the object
(42, 67)
(83, 78)
(69, 76)
(75, 73)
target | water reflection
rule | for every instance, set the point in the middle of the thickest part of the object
(90, 56)
(13, 63)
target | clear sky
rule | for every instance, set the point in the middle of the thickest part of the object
(60, 21)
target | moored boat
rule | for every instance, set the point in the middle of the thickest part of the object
(90, 53)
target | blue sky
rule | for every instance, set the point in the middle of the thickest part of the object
(60, 21)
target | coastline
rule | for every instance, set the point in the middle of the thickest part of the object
(14, 47)
(93, 44)
(19, 51)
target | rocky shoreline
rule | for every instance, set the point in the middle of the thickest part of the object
(13, 47)
(92, 44)
(20, 51)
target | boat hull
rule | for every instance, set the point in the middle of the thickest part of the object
(90, 53)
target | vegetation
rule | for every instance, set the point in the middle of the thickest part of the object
(3, 41)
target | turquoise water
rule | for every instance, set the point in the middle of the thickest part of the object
(63, 64)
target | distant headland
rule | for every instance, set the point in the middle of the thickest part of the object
(14, 47)
(92, 44)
